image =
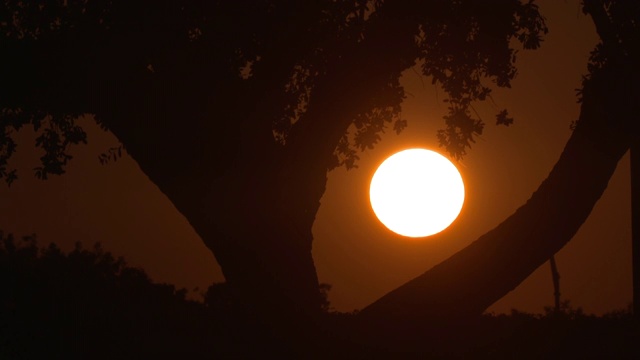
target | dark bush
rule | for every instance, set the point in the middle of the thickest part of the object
(89, 304)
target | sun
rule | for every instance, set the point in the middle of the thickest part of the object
(417, 192)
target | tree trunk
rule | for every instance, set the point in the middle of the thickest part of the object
(635, 225)
(555, 278)
(257, 215)
(467, 283)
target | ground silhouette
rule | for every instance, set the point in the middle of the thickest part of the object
(89, 304)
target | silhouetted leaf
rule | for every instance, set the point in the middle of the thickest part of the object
(399, 125)
(503, 118)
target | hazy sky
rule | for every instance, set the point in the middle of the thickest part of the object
(118, 206)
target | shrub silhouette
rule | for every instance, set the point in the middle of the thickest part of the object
(89, 304)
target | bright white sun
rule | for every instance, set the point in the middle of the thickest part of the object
(417, 192)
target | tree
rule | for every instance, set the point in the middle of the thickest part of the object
(237, 111)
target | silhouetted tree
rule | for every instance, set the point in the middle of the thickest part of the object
(236, 111)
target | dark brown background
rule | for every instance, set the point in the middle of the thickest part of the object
(119, 207)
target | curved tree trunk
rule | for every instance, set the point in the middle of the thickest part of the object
(467, 283)
(256, 211)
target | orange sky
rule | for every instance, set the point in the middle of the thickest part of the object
(118, 206)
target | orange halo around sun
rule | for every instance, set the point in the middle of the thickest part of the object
(417, 193)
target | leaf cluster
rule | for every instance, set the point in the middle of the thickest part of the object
(473, 46)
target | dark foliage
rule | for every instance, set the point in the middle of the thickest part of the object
(62, 51)
(568, 334)
(89, 304)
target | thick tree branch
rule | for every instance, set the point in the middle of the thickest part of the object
(468, 282)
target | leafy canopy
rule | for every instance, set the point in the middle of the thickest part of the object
(258, 64)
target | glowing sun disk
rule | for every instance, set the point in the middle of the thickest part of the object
(417, 192)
